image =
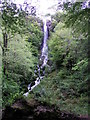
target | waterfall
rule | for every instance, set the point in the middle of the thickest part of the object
(44, 55)
(43, 58)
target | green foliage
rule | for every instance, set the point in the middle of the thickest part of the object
(20, 56)
(12, 17)
(11, 91)
(59, 43)
(19, 60)
(35, 34)
(62, 91)
(77, 17)
(56, 18)
(67, 84)
(81, 65)
(0, 72)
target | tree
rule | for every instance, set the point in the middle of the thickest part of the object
(73, 36)
(77, 16)
(22, 38)
(12, 22)
(60, 43)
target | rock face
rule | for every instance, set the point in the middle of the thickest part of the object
(48, 24)
(49, 27)
(34, 110)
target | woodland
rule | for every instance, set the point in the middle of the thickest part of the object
(65, 83)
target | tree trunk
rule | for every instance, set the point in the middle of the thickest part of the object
(4, 53)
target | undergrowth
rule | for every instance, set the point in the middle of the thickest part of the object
(62, 91)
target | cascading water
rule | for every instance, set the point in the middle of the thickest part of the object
(43, 58)
(44, 55)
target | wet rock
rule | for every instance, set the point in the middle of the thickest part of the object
(49, 24)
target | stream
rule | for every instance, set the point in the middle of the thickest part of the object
(43, 60)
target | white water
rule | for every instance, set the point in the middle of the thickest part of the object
(43, 58)
(45, 47)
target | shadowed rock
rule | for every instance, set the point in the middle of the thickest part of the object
(34, 110)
